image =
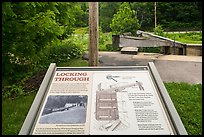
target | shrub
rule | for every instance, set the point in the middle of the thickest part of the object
(83, 30)
(109, 47)
(159, 30)
(125, 20)
(104, 40)
(64, 52)
(12, 91)
(150, 49)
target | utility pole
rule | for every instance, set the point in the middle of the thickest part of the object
(93, 34)
(155, 15)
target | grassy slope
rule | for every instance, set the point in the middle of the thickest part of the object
(191, 38)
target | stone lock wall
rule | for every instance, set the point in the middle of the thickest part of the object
(194, 50)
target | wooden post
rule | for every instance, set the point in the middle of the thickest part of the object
(155, 16)
(93, 34)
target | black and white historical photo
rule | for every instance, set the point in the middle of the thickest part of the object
(65, 109)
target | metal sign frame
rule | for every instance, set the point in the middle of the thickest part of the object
(172, 114)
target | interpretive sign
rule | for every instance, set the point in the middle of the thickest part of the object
(102, 100)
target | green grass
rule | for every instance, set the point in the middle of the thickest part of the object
(14, 112)
(187, 99)
(83, 30)
(191, 38)
(73, 63)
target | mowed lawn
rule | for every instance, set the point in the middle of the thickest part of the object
(14, 113)
(187, 99)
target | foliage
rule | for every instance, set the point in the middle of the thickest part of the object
(82, 14)
(32, 31)
(149, 49)
(17, 89)
(30, 27)
(104, 40)
(190, 37)
(65, 52)
(144, 13)
(61, 53)
(124, 20)
(81, 30)
(159, 30)
(171, 15)
(187, 99)
(12, 91)
(80, 37)
(110, 47)
(106, 12)
(180, 15)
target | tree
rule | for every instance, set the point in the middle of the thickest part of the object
(144, 13)
(82, 14)
(125, 20)
(180, 15)
(28, 27)
(106, 12)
